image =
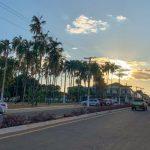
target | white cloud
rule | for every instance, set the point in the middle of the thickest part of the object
(74, 48)
(85, 25)
(121, 18)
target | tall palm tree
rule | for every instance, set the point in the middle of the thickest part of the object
(106, 69)
(54, 60)
(39, 45)
(120, 75)
(5, 49)
(65, 68)
(113, 68)
(22, 48)
(36, 26)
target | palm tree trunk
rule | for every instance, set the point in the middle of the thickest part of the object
(25, 83)
(111, 85)
(73, 80)
(4, 77)
(64, 98)
(17, 86)
(61, 81)
(24, 89)
(46, 90)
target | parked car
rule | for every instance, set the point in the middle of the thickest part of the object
(139, 104)
(3, 107)
(92, 102)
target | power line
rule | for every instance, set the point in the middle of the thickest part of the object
(13, 11)
(20, 16)
(12, 23)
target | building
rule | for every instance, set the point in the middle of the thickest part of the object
(117, 90)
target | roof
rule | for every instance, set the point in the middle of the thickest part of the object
(119, 85)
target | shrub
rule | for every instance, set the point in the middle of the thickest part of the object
(13, 120)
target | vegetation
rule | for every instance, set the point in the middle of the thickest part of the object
(35, 70)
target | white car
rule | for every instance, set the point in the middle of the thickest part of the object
(3, 107)
(92, 102)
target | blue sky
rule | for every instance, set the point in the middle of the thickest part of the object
(100, 33)
(131, 36)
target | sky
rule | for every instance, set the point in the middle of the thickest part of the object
(114, 30)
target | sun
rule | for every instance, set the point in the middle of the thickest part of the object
(125, 67)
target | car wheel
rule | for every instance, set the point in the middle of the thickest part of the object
(133, 108)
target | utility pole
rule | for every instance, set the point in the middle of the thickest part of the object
(88, 94)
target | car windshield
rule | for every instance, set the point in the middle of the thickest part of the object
(138, 101)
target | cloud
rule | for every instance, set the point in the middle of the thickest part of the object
(141, 74)
(85, 25)
(121, 18)
(74, 48)
(139, 70)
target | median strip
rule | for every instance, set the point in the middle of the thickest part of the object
(35, 127)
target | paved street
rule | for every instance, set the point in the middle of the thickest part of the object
(125, 130)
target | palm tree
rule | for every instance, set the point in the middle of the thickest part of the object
(120, 75)
(39, 46)
(113, 69)
(22, 48)
(66, 64)
(106, 69)
(54, 60)
(5, 49)
(36, 25)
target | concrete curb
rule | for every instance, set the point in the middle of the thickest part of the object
(55, 122)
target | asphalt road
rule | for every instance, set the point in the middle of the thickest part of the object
(124, 130)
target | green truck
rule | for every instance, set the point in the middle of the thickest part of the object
(139, 104)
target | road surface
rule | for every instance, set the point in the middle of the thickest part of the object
(124, 130)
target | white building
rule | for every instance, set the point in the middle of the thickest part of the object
(116, 91)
